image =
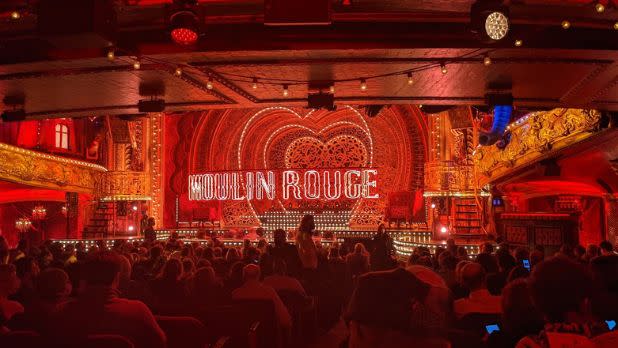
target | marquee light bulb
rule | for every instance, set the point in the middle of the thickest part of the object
(565, 24)
(363, 85)
(209, 83)
(286, 91)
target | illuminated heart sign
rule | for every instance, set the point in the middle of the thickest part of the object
(310, 184)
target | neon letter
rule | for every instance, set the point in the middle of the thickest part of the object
(263, 185)
(249, 185)
(312, 184)
(208, 187)
(222, 186)
(336, 183)
(290, 180)
(352, 190)
(369, 183)
(236, 187)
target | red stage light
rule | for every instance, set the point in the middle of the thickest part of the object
(184, 36)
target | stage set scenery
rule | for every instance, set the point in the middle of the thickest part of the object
(324, 173)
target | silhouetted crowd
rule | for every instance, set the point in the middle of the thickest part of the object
(503, 297)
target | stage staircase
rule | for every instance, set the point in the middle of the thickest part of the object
(468, 219)
(101, 223)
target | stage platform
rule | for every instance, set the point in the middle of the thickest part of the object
(404, 241)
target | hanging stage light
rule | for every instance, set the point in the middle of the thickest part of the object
(184, 22)
(490, 19)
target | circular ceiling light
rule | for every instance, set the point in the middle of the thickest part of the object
(496, 25)
(185, 27)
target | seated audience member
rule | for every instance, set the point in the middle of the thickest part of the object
(280, 281)
(358, 261)
(536, 257)
(496, 281)
(458, 289)
(205, 289)
(434, 313)
(604, 302)
(380, 306)
(234, 278)
(52, 290)
(517, 273)
(487, 259)
(150, 267)
(99, 310)
(521, 254)
(286, 251)
(606, 248)
(479, 300)
(169, 288)
(580, 253)
(4, 250)
(519, 316)
(27, 270)
(232, 256)
(561, 289)
(447, 264)
(9, 284)
(253, 289)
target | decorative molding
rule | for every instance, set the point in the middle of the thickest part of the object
(543, 134)
(48, 171)
(123, 185)
(156, 167)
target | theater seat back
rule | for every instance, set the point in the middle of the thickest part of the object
(183, 332)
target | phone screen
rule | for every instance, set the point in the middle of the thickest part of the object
(491, 328)
(611, 324)
(526, 263)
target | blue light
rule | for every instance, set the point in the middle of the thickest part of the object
(502, 116)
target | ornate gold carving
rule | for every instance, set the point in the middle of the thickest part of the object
(48, 171)
(156, 167)
(448, 176)
(123, 185)
(544, 132)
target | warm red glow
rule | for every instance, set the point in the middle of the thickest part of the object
(184, 36)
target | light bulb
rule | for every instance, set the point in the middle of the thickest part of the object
(616, 26)
(410, 80)
(487, 60)
(15, 15)
(443, 68)
(518, 43)
(254, 85)
(209, 83)
(178, 71)
(599, 7)
(137, 65)
(332, 88)
(111, 55)
(286, 91)
(363, 85)
(565, 24)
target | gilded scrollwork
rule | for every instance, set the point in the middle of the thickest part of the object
(43, 170)
(543, 132)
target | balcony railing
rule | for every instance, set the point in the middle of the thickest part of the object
(124, 185)
(448, 176)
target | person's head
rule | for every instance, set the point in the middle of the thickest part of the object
(101, 268)
(592, 251)
(488, 261)
(567, 250)
(262, 244)
(307, 225)
(606, 248)
(125, 268)
(279, 237)
(460, 265)
(9, 282)
(536, 257)
(156, 252)
(236, 272)
(333, 253)
(487, 248)
(462, 253)
(359, 248)
(251, 272)
(521, 253)
(506, 262)
(217, 252)
(473, 276)
(559, 287)
(232, 255)
(188, 265)
(517, 273)
(53, 285)
(519, 315)
(172, 270)
(204, 277)
(27, 267)
(579, 251)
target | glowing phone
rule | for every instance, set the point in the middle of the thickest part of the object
(492, 328)
(526, 264)
(611, 324)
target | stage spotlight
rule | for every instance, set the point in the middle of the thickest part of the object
(443, 229)
(490, 19)
(131, 228)
(134, 208)
(433, 205)
(184, 22)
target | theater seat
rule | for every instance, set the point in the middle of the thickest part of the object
(183, 332)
